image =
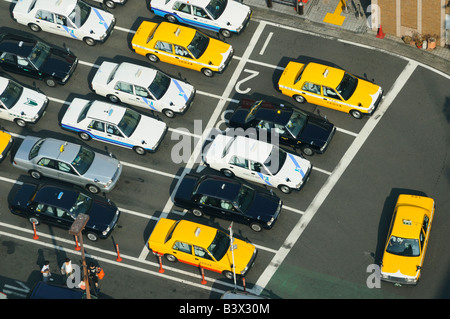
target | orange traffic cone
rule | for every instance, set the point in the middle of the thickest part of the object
(380, 34)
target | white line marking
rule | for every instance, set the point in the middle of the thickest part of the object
(263, 49)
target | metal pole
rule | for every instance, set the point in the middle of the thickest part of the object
(85, 276)
(232, 253)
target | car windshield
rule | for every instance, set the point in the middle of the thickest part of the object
(39, 54)
(347, 86)
(296, 123)
(198, 45)
(160, 85)
(83, 160)
(80, 14)
(216, 8)
(251, 113)
(244, 198)
(81, 206)
(276, 160)
(403, 246)
(129, 122)
(11, 94)
(219, 246)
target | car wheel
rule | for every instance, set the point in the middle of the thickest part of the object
(225, 33)
(50, 82)
(110, 4)
(84, 136)
(113, 98)
(299, 99)
(197, 212)
(35, 174)
(207, 72)
(171, 18)
(356, 114)
(92, 236)
(20, 122)
(285, 189)
(227, 172)
(34, 220)
(308, 151)
(93, 189)
(34, 27)
(169, 113)
(256, 227)
(139, 150)
(171, 258)
(153, 58)
(228, 274)
(89, 41)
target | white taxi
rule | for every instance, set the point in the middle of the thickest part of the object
(114, 124)
(70, 18)
(223, 16)
(257, 161)
(143, 87)
(20, 104)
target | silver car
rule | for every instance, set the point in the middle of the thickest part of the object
(68, 162)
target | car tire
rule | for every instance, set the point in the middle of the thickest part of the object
(89, 41)
(227, 172)
(84, 136)
(228, 274)
(34, 220)
(197, 212)
(92, 189)
(299, 99)
(171, 258)
(208, 72)
(110, 4)
(35, 174)
(50, 82)
(356, 114)
(91, 236)
(20, 122)
(34, 27)
(308, 151)
(285, 189)
(256, 227)
(152, 58)
(113, 98)
(171, 18)
(169, 113)
(139, 150)
(225, 33)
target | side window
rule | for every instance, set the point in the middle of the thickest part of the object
(98, 126)
(61, 20)
(183, 7)
(112, 129)
(224, 204)
(311, 87)
(425, 224)
(164, 46)
(258, 167)
(124, 87)
(199, 12)
(61, 213)
(44, 15)
(182, 51)
(47, 163)
(329, 92)
(239, 161)
(264, 125)
(200, 252)
(140, 91)
(48, 210)
(63, 167)
(22, 61)
(210, 201)
(183, 247)
(8, 58)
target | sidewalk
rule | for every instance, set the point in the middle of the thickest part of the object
(327, 17)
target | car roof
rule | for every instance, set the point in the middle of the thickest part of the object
(408, 221)
(193, 233)
(200, 3)
(63, 7)
(174, 33)
(250, 149)
(57, 149)
(106, 112)
(270, 112)
(135, 74)
(218, 186)
(16, 44)
(322, 74)
(56, 196)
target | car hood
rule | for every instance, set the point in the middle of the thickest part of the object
(59, 63)
(365, 95)
(241, 256)
(29, 103)
(295, 168)
(102, 169)
(316, 131)
(149, 132)
(177, 95)
(98, 23)
(235, 14)
(400, 266)
(216, 53)
(101, 214)
(263, 207)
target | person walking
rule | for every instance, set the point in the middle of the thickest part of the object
(45, 271)
(67, 269)
(93, 278)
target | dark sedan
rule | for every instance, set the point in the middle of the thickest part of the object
(37, 59)
(60, 206)
(296, 128)
(229, 199)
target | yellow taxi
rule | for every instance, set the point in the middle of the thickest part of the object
(330, 87)
(201, 246)
(6, 142)
(407, 241)
(182, 46)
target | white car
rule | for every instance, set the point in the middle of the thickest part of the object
(143, 87)
(70, 18)
(111, 3)
(223, 16)
(257, 161)
(20, 104)
(114, 124)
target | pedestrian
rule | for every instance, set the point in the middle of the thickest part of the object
(93, 278)
(67, 269)
(45, 271)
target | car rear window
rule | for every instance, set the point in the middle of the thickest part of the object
(35, 149)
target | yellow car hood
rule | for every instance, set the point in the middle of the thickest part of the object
(243, 253)
(365, 95)
(4, 140)
(400, 266)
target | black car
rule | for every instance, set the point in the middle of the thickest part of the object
(296, 128)
(37, 59)
(229, 199)
(59, 206)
